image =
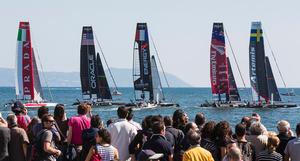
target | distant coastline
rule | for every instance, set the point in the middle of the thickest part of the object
(122, 76)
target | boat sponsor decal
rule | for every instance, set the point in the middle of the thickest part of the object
(145, 58)
(27, 71)
(92, 71)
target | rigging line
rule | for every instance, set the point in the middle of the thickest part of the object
(102, 53)
(156, 51)
(275, 60)
(42, 69)
(235, 60)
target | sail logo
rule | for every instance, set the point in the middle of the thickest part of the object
(252, 65)
(27, 70)
(92, 73)
(145, 59)
(219, 48)
(213, 63)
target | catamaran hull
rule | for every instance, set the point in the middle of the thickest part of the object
(224, 104)
(151, 105)
(37, 105)
(247, 105)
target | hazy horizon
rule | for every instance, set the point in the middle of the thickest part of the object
(181, 31)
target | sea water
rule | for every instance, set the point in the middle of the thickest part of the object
(188, 98)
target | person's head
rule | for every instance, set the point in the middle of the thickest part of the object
(246, 120)
(298, 129)
(122, 112)
(42, 111)
(180, 118)
(104, 137)
(146, 123)
(82, 109)
(12, 120)
(130, 114)
(96, 121)
(47, 121)
(17, 107)
(208, 130)
(191, 126)
(240, 130)
(158, 127)
(283, 126)
(273, 141)
(257, 128)
(223, 130)
(155, 118)
(193, 137)
(200, 119)
(234, 154)
(108, 122)
(59, 112)
(168, 121)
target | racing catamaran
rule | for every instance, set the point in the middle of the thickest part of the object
(264, 89)
(148, 90)
(27, 81)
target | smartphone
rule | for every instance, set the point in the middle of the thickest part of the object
(0, 115)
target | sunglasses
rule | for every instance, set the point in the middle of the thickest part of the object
(51, 121)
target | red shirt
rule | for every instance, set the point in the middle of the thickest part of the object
(78, 124)
(23, 121)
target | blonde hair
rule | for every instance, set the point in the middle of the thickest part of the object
(273, 141)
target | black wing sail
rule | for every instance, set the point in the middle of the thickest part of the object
(257, 63)
(88, 65)
(233, 90)
(102, 84)
(273, 90)
(142, 76)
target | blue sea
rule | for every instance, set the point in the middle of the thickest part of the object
(188, 98)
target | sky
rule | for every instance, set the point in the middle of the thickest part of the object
(181, 30)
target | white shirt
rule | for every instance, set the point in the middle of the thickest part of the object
(137, 125)
(122, 133)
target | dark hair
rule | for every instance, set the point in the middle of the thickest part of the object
(193, 137)
(45, 118)
(157, 118)
(105, 135)
(59, 112)
(108, 122)
(246, 121)
(240, 130)
(177, 118)
(82, 109)
(157, 127)
(298, 129)
(130, 114)
(208, 130)
(122, 112)
(146, 123)
(168, 120)
(96, 121)
(188, 127)
(42, 111)
(222, 130)
(200, 119)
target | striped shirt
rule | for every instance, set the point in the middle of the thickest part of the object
(269, 156)
(106, 152)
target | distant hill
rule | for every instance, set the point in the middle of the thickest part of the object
(123, 78)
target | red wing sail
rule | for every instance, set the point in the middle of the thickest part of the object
(218, 61)
(24, 64)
